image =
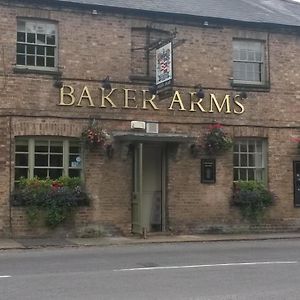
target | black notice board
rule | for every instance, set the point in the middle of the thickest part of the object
(208, 170)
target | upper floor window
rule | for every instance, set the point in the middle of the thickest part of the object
(47, 158)
(249, 159)
(144, 42)
(249, 62)
(36, 44)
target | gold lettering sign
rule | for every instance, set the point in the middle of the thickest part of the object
(134, 99)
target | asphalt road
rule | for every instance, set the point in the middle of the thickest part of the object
(216, 270)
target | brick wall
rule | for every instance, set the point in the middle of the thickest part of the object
(94, 46)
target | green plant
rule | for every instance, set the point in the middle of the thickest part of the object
(216, 140)
(252, 198)
(54, 199)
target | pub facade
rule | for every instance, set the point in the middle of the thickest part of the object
(124, 96)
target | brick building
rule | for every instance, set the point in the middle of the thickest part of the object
(235, 63)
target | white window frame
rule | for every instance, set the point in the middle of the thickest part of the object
(37, 29)
(250, 58)
(242, 159)
(31, 142)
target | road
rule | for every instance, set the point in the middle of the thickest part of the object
(245, 270)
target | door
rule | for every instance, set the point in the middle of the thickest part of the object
(148, 203)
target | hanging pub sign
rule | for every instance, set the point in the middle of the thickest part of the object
(164, 69)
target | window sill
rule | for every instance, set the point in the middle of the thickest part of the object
(251, 86)
(24, 70)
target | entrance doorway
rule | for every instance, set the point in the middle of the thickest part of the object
(148, 203)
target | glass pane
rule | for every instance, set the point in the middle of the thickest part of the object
(236, 174)
(56, 147)
(55, 173)
(251, 174)
(51, 39)
(41, 160)
(243, 174)
(236, 147)
(74, 172)
(21, 37)
(236, 160)
(31, 38)
(41, 38)
(40, 50)
(21, 148)
(56, 160)
(251, 146)
(243, 161)
(259, 175)
(20, 48)
(40, 173)
(41, 146)
(258, 160)
(21, 26)
(40, 61)
(74, 149)
(74, 161)
(21, 159)
(21, 173)
(243, 147)
(30, 49)
(50, 51)
(50, 62)
(30, 61)
(20, 59)
(251, 158)
(258, 146)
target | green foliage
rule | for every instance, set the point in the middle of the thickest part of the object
(252, 198)
(216, 140)
(54, 199)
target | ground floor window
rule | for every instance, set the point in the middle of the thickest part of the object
(47, 158)
(249, 159)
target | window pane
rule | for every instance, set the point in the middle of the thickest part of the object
(31, 38)
(50, 51)
(20, 59)
(21, 159)
(243, 174)
(21, 148)
(21, 172)
(30, 49)
(51, 39)
(41, 38)
(30, 61)
(50, 62)
(56, 147)
(251, 146)
(56, 160)
(40, 50)
(21, 36)
(243, 161)
(74, 172)
(55, 173)
(236, 160)
(41, 160)
(243, 147)
(251, 174)
(236, 174)
(74, 149)
(74, 161)
(41, 146)
(40, 61)
(40, 173)
(20, 48)
(251, 160)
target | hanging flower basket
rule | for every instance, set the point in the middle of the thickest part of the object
(97, 138)
(216, 141)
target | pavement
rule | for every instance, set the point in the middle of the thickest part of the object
(37, 243)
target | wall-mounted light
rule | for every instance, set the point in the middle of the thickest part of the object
(200, 93)
(243, 95)
(105, 83)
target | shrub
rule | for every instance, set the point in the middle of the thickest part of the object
(252, 198)
(57, 199)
